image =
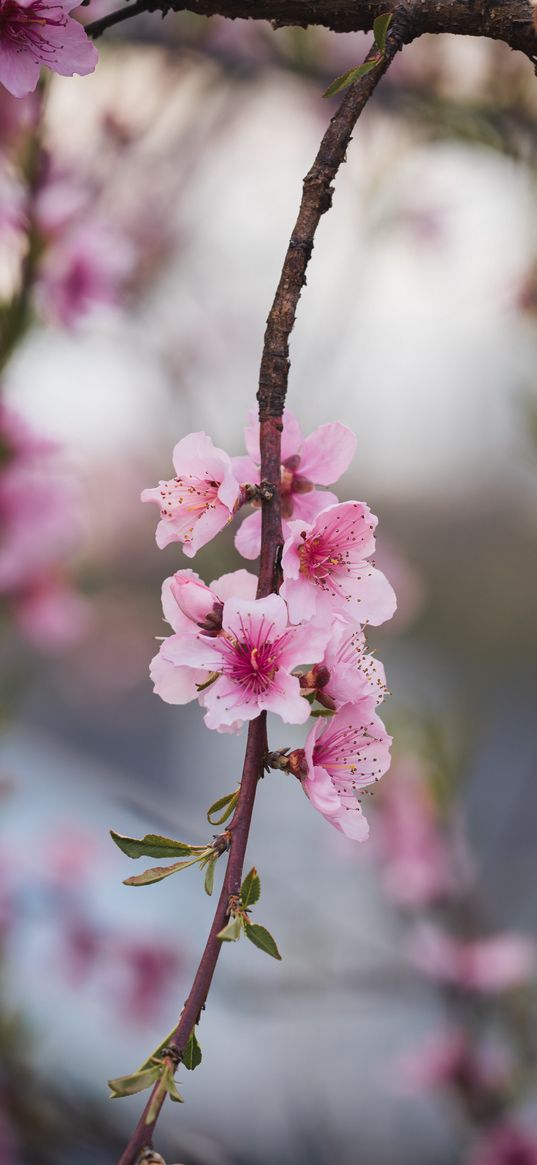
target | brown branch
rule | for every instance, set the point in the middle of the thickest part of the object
(316, 199)
(507, 20)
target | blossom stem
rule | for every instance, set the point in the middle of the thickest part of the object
(316, 199)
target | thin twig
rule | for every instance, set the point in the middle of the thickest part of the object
(316, 199)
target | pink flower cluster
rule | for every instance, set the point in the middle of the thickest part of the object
(240, 655)
(36, 534)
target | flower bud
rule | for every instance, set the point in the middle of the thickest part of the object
(194, 599)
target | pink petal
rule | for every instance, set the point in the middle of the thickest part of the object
(211, 522)
(284, 699)
(196, 651)
(174, 685)
(248, 536)
(19, 72)
(327, 453)
(255, 615)
(239, 584)
(321, 792)
(306, 507)
(302, 600)
(245, 470)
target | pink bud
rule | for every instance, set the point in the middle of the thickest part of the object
(194, 599)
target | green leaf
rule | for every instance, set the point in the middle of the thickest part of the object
(153, 846)
(251, 889)
(263, 939)
(154, 1107)
(192, 1054)
(209, 877)
(157, 873)
(347, 79)
(155, 1056)
(323, 712)
(171, 1087)
(380, 28)
(232, 931)
(226, 803)
(138, 1082)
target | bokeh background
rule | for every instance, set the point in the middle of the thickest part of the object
(180, 162)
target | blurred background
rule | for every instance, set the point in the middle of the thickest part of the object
(144, 215)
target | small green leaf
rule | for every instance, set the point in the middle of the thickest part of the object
(207, 683)
(380, 29)
(171, 1086)
(226, 803)
(232, 931)
(263, 939)
(323, 712)
(138, 1082)
(209, 877)
(250, 889)
(157, 873)
(153, 846)
(347, 79)
(154, 1107)
(192, 1054)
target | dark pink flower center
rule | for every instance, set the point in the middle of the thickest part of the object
(339, 753)
(319, 560)
(25, 28)
(251, 661)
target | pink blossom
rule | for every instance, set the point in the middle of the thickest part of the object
(496, 963)
(50, 613)
(506, 1144)
(347, 672)
(197, 503)
(87, 266)
(339, 759)
(319, 459)
(451, 1059)
(416, 860)
(41, 32)
(188, 605)
(326, 569)
(252, 662)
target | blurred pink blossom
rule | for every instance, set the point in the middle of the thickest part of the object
(496, 963)
(417, 866)
(450, 1059)
(505, 1144)
(87, 266)
(37, 527)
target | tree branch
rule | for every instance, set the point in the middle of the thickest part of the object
(511, 21)
(316, 199)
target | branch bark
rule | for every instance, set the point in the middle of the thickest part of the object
(511, 21)
(316, 200)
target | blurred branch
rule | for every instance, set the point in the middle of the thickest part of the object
(511, 21)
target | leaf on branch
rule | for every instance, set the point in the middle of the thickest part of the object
(209, 877)
(157, 873)
(380, 29)
(232, 931)
(171, 1086)
(153, 846)
(251, 889)
(323, 712)
(226, 803)
(263, 939)
(192, 1054)
(137, 1082)
(347, 78)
